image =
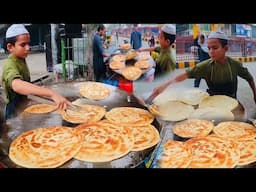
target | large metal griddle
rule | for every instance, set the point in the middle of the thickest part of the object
(239, 112)
(24, 122)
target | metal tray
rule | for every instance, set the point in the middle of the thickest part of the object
(24, 122)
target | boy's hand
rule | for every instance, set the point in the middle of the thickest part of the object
(61, 101)
(157, 91)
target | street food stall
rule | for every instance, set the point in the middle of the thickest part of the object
(117, 98)
(25, 122)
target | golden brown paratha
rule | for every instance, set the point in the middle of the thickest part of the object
(131, 73)
(47, 147)
(116, 65)
(94, 90)
(145, 136)
(142, 64)
(129, 115)
(131, 54)
(119, 58)
(175, 154)
(125, 46)
(87, 114)
(104, 141)
(235, 130)
(144, 56)
(193, 128)
(40, 108)
(247, 149)
(213, 152)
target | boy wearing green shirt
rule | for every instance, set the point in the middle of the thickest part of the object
(165, 62)
(16, 77)
(220, 72)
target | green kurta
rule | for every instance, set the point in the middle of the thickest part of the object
(165, 60)
(14, 68)
(216, 74)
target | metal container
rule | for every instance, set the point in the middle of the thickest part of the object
(24, 122)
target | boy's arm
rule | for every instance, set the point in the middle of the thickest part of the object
(26, 88)
(146, 49)
(163, 86)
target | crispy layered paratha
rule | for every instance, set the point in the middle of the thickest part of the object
(144, 137)
(40, 108)
(87, 114)
(142, 64)
(213, 152)
(116, 65)
(131, 54)
(247, 149)
(235, 130)
(94, 90)
(175, 154)
(118, 58)
(193, 128)
(47, 147)
(131, 73)
(129, 115)
(104, 141)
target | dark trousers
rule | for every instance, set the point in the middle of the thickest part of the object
(197, 82)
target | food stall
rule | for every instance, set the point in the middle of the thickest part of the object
(25, 122)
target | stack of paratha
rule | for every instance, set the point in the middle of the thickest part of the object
(131, 73)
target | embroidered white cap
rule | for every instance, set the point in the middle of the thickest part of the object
(15, 30)
(169, 28)
(217, 35)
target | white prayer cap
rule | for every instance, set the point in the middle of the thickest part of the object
(169, 28)
(15, 30)
(217, 35)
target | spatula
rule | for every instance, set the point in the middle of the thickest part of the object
(149, 105)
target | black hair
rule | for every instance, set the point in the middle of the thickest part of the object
(11, 40)
(223, 42)
(170, 37)
(100, 27)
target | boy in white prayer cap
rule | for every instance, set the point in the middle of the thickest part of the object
(166, 61)
(16, 76)
(220, 71)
